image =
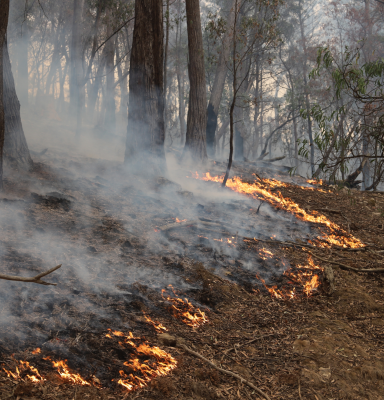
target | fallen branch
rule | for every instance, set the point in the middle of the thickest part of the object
(35, 279)
(347, 267)
(239, 377)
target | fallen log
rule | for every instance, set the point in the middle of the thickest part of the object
(35, 279)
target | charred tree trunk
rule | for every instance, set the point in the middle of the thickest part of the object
(145, 131)
(195, 143)
(4, 12)
(218, 85)
(15, 145)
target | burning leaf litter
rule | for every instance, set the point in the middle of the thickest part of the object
(261, 191)
(184, 310)
(160, 362)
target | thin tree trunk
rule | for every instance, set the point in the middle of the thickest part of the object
(165, 62)
(145, 132)
(195, 143)
(218, 84)
(4, 12)
(15, 145)
(180, 76)
(307, 105)
(76, 74)
(110, 106)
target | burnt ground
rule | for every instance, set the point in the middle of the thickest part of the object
(106, 228)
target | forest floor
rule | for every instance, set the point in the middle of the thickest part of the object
(103, 227)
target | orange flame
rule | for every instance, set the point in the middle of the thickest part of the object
(23, 367)
(36, 351)
(64, 372)
(185, 310)
(164, 363)
(180, 220)
(259, 190)
(306, 277)
(157, 325)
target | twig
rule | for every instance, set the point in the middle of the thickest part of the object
(35, 279)
(251, 341)
(347, 267)
(240, 378)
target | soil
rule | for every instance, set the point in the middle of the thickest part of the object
(115, 263)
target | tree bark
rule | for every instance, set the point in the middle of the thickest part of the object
(145, 131)
(180, 75)
(110, 109)
(4, 12)
(22, 65)
(307, 105)
(195, 143)
(218, 84)
(16, 151)
(76, 74)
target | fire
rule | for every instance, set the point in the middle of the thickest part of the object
(36, 351)
(160, 363)
(185, 310)
(260, 190)
(315, 181)
(305, 276)
(180, 220)
(64, 372)
(157, 325)
(22, 368)
(264, 254)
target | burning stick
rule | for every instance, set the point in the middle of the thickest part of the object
(35, 279)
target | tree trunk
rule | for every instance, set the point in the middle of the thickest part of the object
(307, 105)
(218, 84)
(76, 74)
(165, 63)
(15, 145)
(22, 65)
(195, 143)
(110, 106)
(180, 75)
(145, 131)
(4, 12)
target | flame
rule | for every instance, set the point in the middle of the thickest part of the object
(64, 372)
(157, 325)
(160, 363)
(315, 181)
(185, 310)
(264, 253)
(305, 276)
(24, 366)
(36, 351)
(180, 220)
(260, 190)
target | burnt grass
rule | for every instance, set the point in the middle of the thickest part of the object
(114, 266)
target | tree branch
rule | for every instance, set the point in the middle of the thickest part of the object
(35, 279)
(240, 378)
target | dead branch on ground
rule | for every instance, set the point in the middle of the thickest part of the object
(35, 279)
(239, 377)
(347, 267)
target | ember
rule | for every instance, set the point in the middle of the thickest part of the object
(259, 190)
(185, 310)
